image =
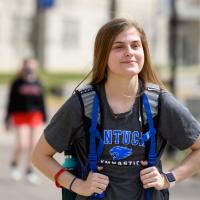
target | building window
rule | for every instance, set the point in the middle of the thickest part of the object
(70, 36)
(21, 33)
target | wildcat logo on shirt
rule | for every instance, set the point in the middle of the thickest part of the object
(122, 138)
(119, 153)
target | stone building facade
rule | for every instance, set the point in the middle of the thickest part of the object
(62, 36)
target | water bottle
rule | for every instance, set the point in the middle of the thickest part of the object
(69, 164)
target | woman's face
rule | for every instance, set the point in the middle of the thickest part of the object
(29, 69)
(126, 57)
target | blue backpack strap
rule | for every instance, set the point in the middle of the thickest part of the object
(91, 110)
(150, 100)
(151, 134)
(94, 153)
(92, 146)
(91, 106)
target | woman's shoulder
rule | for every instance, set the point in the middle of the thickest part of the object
(71, 107)
(73, 101)
(167, 96)
(16, 82)
(170, 102)
(167, 99)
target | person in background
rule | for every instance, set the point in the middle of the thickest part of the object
(26, 113)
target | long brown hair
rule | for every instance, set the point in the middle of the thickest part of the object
(103, 44)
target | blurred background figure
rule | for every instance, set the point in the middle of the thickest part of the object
(25, 113)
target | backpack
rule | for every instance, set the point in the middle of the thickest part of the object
(92, 117)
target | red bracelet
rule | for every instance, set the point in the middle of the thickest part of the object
(57, 176)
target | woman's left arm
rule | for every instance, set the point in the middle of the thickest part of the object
(190, 165)
(151, 177)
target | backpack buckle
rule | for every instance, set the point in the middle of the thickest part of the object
(98, 196)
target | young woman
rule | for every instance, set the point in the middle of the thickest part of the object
(121, 68)
(26, 112)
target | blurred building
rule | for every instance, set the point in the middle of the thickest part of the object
(16, 19)
(62, 36)
(68, 30)
(188, 32)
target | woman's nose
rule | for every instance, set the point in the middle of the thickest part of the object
(129, 51)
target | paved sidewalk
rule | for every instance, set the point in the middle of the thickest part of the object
(188, 190)
(21, 190)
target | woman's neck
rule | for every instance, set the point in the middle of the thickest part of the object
(122, 87)
(121, 93)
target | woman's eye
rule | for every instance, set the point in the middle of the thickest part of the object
(136, 46)
(118, 47)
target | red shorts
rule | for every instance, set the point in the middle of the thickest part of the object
(32, 119)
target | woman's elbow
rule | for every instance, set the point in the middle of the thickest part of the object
(35, 157)
(42, 152)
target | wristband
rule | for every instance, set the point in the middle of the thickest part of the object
(70, 187)
(57, 176)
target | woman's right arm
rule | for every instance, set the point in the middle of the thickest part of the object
(43, 159)
(10, 107)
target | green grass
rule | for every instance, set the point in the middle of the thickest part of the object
(6, 78)
(49, 80)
